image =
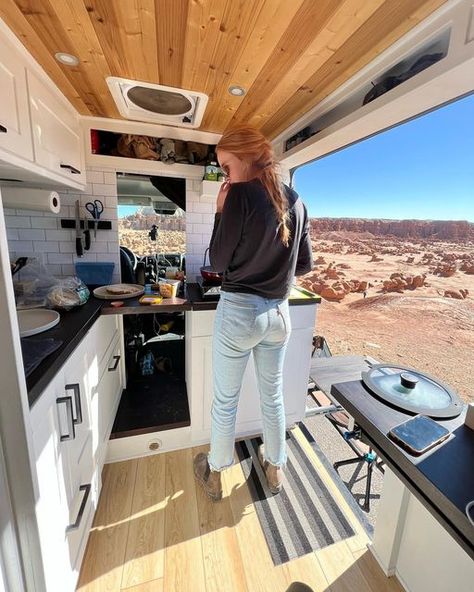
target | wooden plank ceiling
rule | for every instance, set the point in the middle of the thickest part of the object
(288, 55)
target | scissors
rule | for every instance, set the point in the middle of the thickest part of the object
(95, 209)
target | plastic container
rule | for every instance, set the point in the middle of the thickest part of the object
(95, 273)
(169, 288)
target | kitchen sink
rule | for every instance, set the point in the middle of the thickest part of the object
(36, 320)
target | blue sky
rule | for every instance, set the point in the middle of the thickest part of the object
(423, 169)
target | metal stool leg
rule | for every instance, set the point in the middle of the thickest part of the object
(370, 458)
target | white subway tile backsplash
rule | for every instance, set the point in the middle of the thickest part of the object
(109, 213)
(9, 211)
(103, 189)
(205, 208)
(203, 228)
(207, 199)
(193, 239)
(95, 176)
(193, 218)
(44, 222)
(110, 201)
(46, 247)
(60, 258)
(35, 213)
(57, 245)
(19, 246)
(12, 234)
(68, 269)
(60, 235)
(67, 247)
(31, 234)
(17, 222)
(55, 269)
(110, 178)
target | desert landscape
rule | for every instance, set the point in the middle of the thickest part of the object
(134, 233)
(400, 292)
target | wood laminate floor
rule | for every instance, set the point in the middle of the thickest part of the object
(156, 531)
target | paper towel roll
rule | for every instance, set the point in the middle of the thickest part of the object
(22, 198)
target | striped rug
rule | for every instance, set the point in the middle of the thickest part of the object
(302, 518)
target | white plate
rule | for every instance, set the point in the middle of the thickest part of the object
(36, 320)
(102, 293)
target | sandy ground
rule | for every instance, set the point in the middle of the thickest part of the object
(419, 328)
(168, 241)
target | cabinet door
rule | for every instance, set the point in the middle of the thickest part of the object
(76, 386)
(53, 482)
(15, 129)
(199, 385)
(295, 385)
(106, 397)
(56, 132)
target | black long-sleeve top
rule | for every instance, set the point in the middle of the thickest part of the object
(246, 244)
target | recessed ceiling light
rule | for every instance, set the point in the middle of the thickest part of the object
(237, 91)
(67, 59)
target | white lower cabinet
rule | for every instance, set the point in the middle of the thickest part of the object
(70, 424)
(199, 330)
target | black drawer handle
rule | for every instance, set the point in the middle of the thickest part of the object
(70, 420)
(71, 169)
(114, 367)
(76, 389)
(77, 523)
(3, 129)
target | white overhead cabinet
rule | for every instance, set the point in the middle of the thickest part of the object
(56, 131)
(15, 129)
(40, 133)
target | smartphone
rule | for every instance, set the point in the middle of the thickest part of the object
(418, 434)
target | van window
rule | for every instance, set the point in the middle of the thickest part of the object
(392, 226)
(151, 214)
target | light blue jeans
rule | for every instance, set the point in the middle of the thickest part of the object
(246, 323)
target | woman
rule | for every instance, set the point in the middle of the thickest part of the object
(260, 242)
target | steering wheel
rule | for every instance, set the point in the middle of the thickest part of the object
(131, 255)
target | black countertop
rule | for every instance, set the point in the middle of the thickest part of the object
(71, 328)
(74, 324)
(442, 478)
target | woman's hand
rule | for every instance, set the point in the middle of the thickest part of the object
(221, 196)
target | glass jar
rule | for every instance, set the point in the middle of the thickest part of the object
(210, 173)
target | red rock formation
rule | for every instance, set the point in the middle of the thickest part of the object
(445, 269)
(329, 293)
(454, 294)
(452, 230)
(467, 267)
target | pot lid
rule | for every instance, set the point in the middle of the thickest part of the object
(412, 391)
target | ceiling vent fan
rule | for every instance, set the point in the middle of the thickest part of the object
(143, 101)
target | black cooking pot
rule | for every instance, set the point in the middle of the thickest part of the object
(208, 274)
